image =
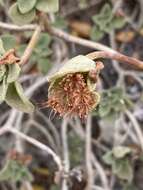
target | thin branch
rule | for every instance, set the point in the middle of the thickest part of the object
(107, 52)
(37, 144)
(31, 45)
(88, 155)
(116, 56)
(101, 172)
(13, 27)
(34, 142)
(136, 127)
(66, 161)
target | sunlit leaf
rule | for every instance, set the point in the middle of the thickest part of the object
(108, 158)
(121, 151)
(79, 63)
(26, 5)
(48, 5)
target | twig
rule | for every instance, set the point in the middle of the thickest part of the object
(65, 152)
(88, 155)
(106, 52)
(101, 173)
(35, 142)
(136, 127)
(31, 45)
(13, 27)
(116, 56)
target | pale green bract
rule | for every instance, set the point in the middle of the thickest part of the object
(80, 63)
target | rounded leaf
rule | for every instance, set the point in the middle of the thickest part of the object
(26, 5)
(80, 63)
(15, 98)
(121, 151)
(48, 6)
(9, 41)
(20, 18)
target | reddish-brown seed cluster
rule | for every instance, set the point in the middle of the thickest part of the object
(71, 96)
(9, 58)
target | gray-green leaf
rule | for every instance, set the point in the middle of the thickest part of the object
(13, 72)
(15, 98)
(26, 5)
(121, 151)
(123, 169)
(20, 18)
(9, 41)
(48, 5)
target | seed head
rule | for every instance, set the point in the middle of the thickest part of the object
(71, 92)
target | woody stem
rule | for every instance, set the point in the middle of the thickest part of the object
(116, 56)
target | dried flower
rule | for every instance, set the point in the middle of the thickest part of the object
(72, 91)
(9, 58)
(19, 157)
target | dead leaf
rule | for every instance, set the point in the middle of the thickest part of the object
(125, 36)
(82, 29)
(9, 58)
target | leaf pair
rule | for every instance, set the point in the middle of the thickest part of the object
(120, 163)
(105, 22)
(24, 11)
(11, 90)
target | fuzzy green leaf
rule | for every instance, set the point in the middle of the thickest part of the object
(104, 17)
(96, 34)
(9, 41)
(44, 65)
(20, 18)
(26, 5)
(15, 98)
(123, 169)
(108, 158)
(13, 72)
(48, 6)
